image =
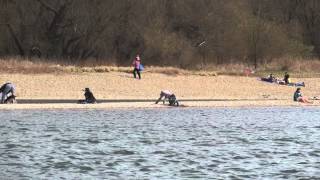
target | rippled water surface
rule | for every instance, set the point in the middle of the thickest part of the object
(258, 143)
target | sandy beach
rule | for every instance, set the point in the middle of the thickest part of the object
(226, 91)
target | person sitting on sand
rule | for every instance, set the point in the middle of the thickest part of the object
(286, 78)
(299, 98)
(89, 97)
(167, 95)
(136, 64)
(287, 81)
(7, 92)
(269, 79)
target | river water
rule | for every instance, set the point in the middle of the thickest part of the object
(173, 143)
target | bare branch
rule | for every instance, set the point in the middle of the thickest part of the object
(16, 40)
(47, 6)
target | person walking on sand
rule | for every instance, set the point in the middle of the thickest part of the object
(299, 98)
(136, 64)
(5, 90)
(89, 97)
(167, 95)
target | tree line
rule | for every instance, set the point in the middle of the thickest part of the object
(181, 33)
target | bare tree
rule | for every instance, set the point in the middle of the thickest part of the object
(164, 32)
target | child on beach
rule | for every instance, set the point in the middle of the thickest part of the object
(136, 64)
(299, 98)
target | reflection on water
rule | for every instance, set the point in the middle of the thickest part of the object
(276, 143)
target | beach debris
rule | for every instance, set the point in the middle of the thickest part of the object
(266, 95)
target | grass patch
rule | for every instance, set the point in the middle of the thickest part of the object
(296, 68)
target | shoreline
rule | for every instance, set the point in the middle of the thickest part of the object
(99, 101)
(151, 105)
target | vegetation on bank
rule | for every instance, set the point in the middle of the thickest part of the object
(167, 33)
(296, 67)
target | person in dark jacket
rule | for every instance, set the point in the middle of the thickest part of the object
(173, 100)
(89, 97)
(7, 91)
(10, 100)
(286, 78)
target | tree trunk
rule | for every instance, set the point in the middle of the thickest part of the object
(16, 40)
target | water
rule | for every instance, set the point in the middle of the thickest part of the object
(238, 143)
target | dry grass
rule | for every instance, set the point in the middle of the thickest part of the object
(176, 71)
(16, 65)
(22, 66)
(228, 69)
(296, 67)
(293, 65)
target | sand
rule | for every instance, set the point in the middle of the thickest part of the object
(116, 85)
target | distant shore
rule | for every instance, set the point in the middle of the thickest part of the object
(120, 89)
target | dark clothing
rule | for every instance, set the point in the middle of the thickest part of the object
(10, 100)
(167, 95)
(296, 95)
(5, 90)
(286, 78)
(267, 80)
(89, 97)
(136, 70)
(164, 94)
(173, 100)
(2, 88)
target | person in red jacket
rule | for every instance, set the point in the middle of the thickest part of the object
(136, 64)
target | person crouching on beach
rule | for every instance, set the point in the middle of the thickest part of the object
(7, 92)
(167, 95)
(89, 98)
(136, 64)
(299, 98)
